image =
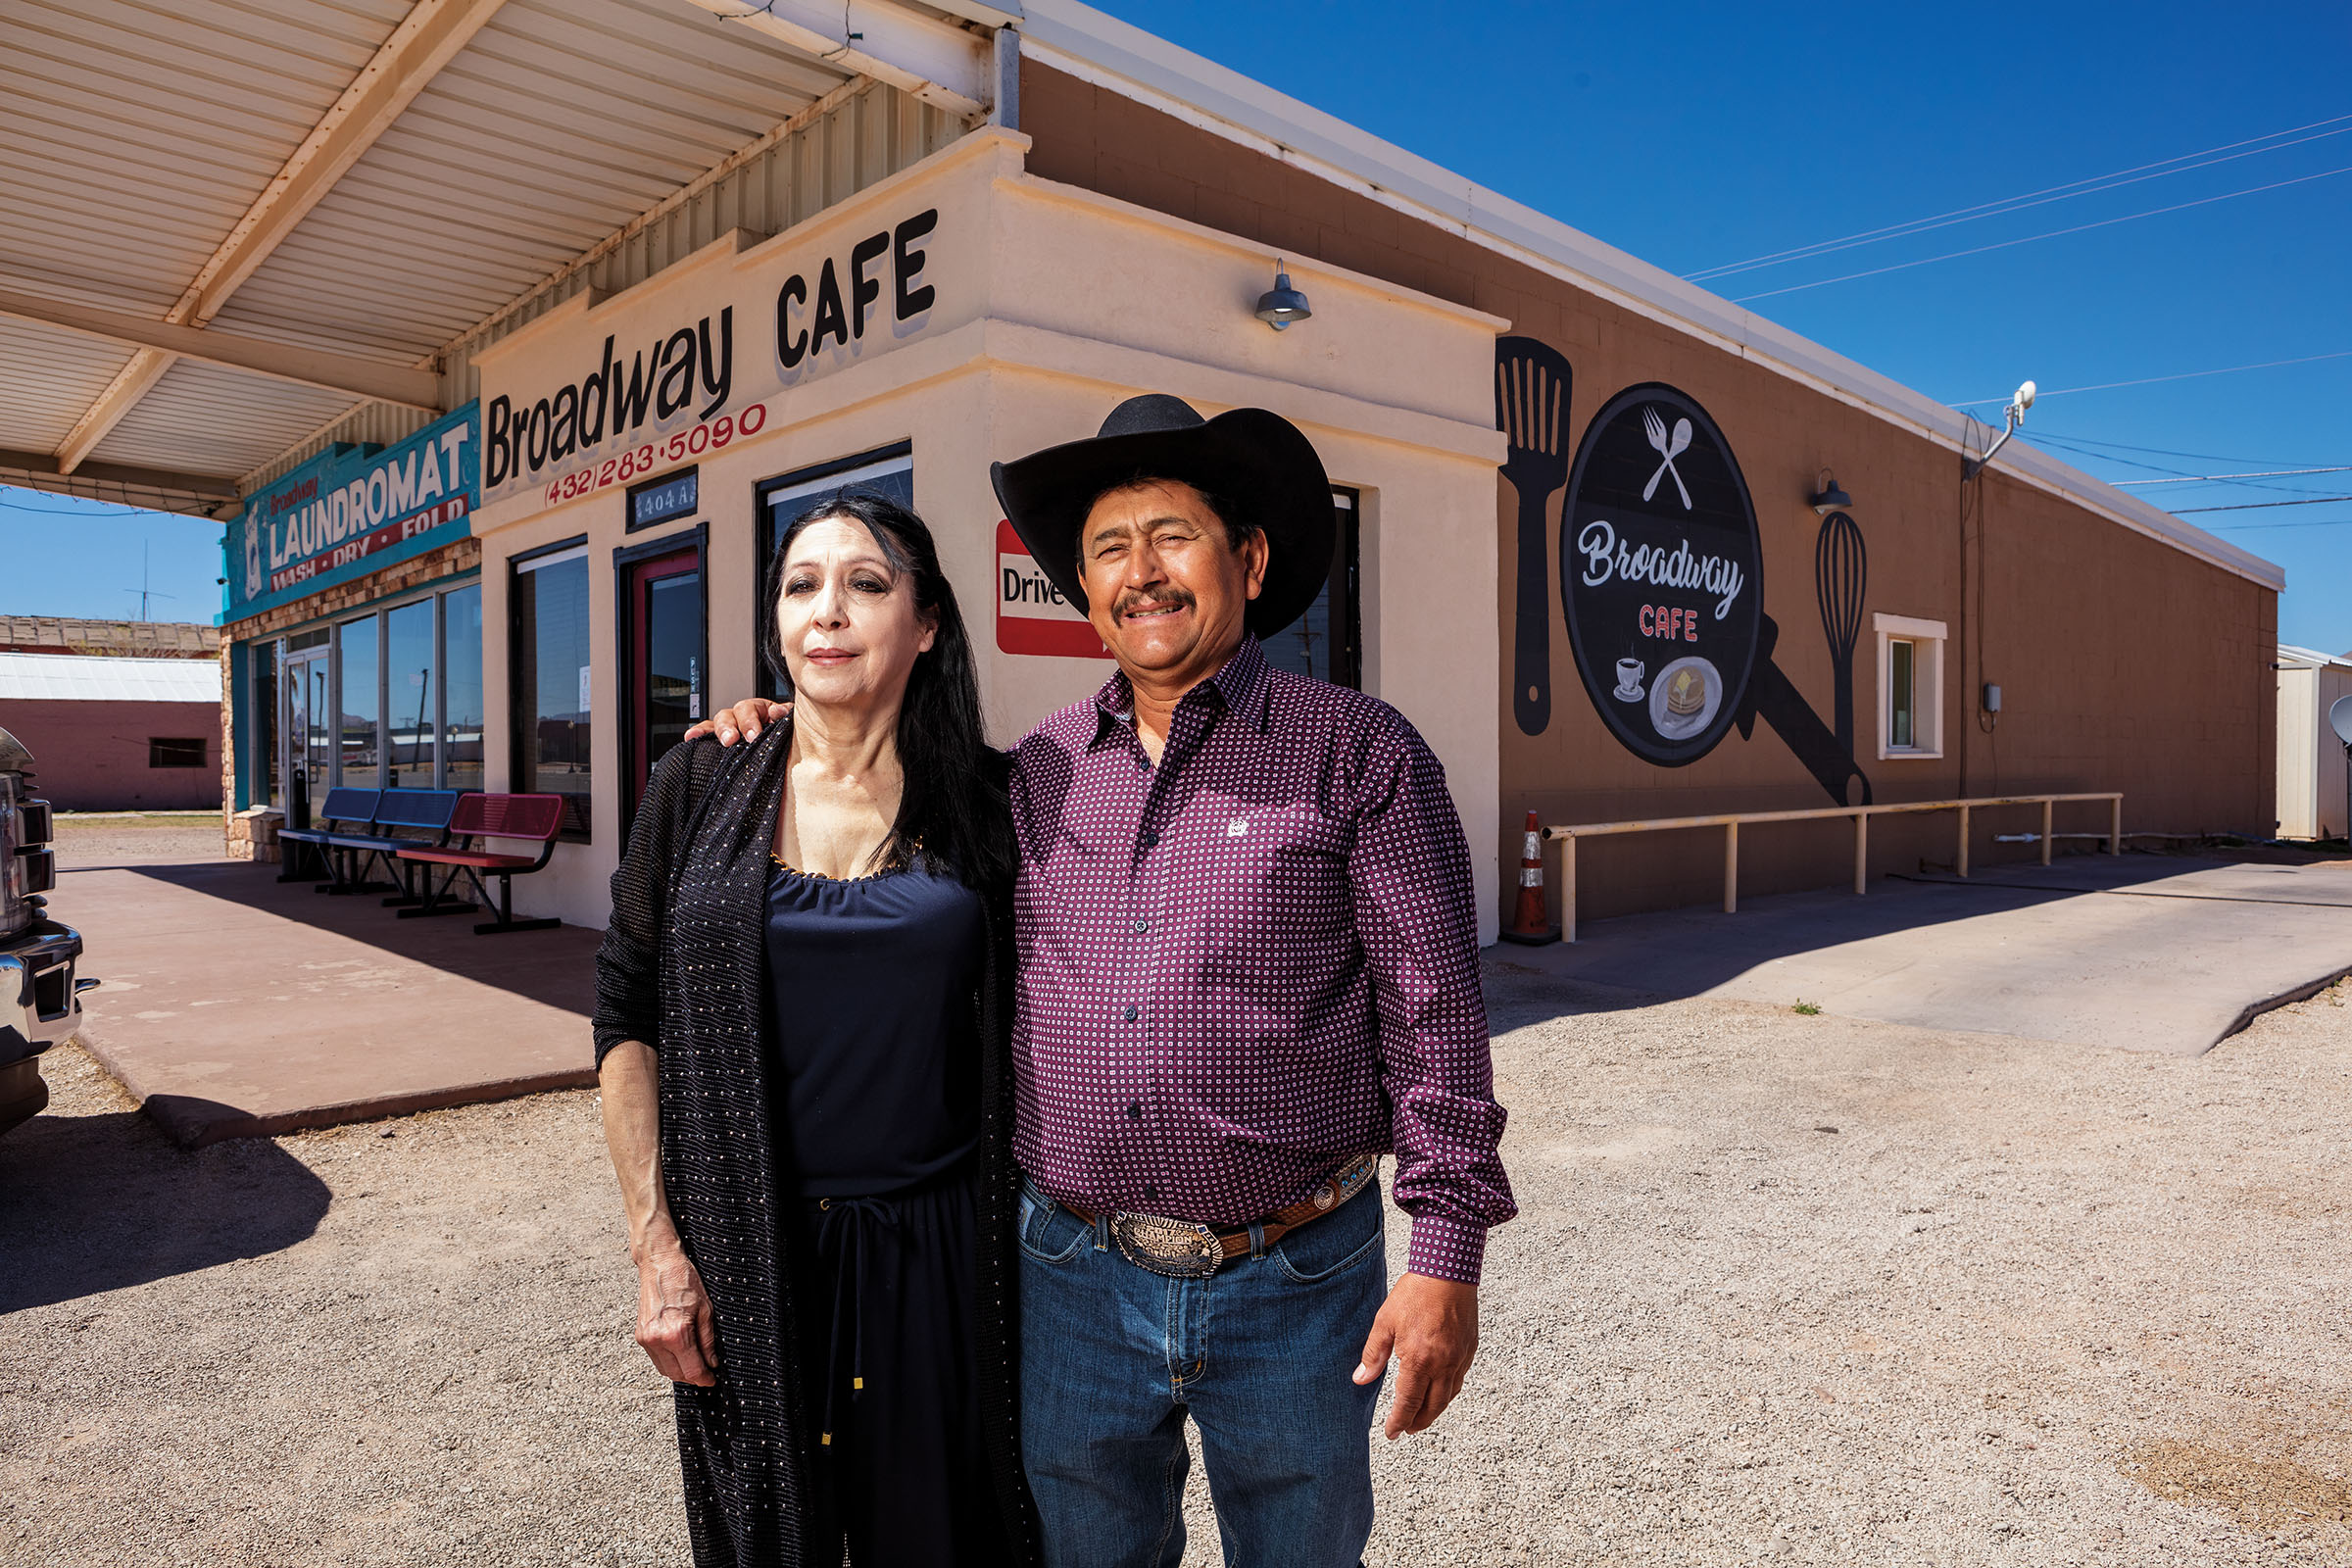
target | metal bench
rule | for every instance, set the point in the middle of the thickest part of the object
(355, 808)
(481, 817)
(423, 810)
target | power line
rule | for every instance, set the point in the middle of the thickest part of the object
(2162, 452)
(2216, 478)
(2257, 506)
(2320, 522)
(2055, 234)
(2089, 186)
(2064, 444)
(2151, 380)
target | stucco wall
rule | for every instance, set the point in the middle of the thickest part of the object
(92, 756)
(2125, 662)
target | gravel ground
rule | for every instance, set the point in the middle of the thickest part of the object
(133, 838)
(1788, 1289)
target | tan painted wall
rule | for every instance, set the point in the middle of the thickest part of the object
(1054, 305)
(2125, 663)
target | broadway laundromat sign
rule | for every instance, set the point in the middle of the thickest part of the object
(351, 511)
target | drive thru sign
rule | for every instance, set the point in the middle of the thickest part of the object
(1032, 615)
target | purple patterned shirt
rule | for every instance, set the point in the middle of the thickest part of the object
(1244, 965)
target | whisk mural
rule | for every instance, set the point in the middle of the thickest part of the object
(1661, 585)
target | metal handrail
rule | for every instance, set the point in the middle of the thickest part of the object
(1731, 821)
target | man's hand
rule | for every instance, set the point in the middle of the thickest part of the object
(742, 723)
(1431, 1327)
(673, 1318)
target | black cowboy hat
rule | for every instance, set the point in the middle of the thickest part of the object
(1254, 460)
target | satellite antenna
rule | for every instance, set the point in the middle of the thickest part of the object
(2340, 719)
(2019, 402)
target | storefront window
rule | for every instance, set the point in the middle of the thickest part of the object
(550, 661)
(887, 472)
(358, 762)
(409, 686)
(462, 688)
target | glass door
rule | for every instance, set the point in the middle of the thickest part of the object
(664, 656)
(307, 762)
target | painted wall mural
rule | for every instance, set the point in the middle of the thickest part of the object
(1662, 581)
(1531, 382)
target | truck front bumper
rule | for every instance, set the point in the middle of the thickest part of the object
(40, 1006)
(38, 1000)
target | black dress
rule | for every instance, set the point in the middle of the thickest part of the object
(871, 982)
(683, 970)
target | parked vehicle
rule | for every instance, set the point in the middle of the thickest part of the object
(40, 1001)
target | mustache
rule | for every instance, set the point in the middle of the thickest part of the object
(1168, 598)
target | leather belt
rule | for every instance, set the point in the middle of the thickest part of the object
(1184, 1249)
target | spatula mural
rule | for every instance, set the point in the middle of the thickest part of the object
(1530, 406)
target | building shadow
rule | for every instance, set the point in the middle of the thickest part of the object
(96, 1204)
(556, 967)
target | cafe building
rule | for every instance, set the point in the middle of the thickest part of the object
(641, 453)
(1619, 548)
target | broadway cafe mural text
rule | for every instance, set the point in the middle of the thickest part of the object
(350, 510)
(1661, 576)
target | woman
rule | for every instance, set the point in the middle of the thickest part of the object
(803, 1005)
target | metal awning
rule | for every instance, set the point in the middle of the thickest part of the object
(229, 228)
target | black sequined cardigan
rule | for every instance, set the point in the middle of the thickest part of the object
(681, 969)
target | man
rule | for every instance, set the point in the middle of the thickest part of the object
(1247, 963)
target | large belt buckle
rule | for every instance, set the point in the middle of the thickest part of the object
(1180, 1248)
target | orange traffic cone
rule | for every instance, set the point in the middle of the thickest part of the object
(1528, 927)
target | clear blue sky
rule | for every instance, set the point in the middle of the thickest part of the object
(1701, 135)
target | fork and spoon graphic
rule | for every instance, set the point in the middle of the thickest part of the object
(1668, 451)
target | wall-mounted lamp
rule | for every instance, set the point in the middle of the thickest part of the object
(1830, 497)
(1281, 305)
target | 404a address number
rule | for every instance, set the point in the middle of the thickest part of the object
(707, 436)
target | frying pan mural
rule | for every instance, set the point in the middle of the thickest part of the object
(1662, 582)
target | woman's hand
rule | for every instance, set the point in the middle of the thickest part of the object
(742, 723)
(673, 1318)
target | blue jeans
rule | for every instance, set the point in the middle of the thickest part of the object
(1260, 1354)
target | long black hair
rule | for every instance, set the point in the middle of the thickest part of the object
(952, 805)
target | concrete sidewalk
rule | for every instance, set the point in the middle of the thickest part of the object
(235, 1006)
(2143, 951)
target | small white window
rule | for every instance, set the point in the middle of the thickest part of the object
(1910, 687)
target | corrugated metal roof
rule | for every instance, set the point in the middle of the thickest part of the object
(78, 678)
(47, 376)
(201, 418)
(560, 123)
(136, 135)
